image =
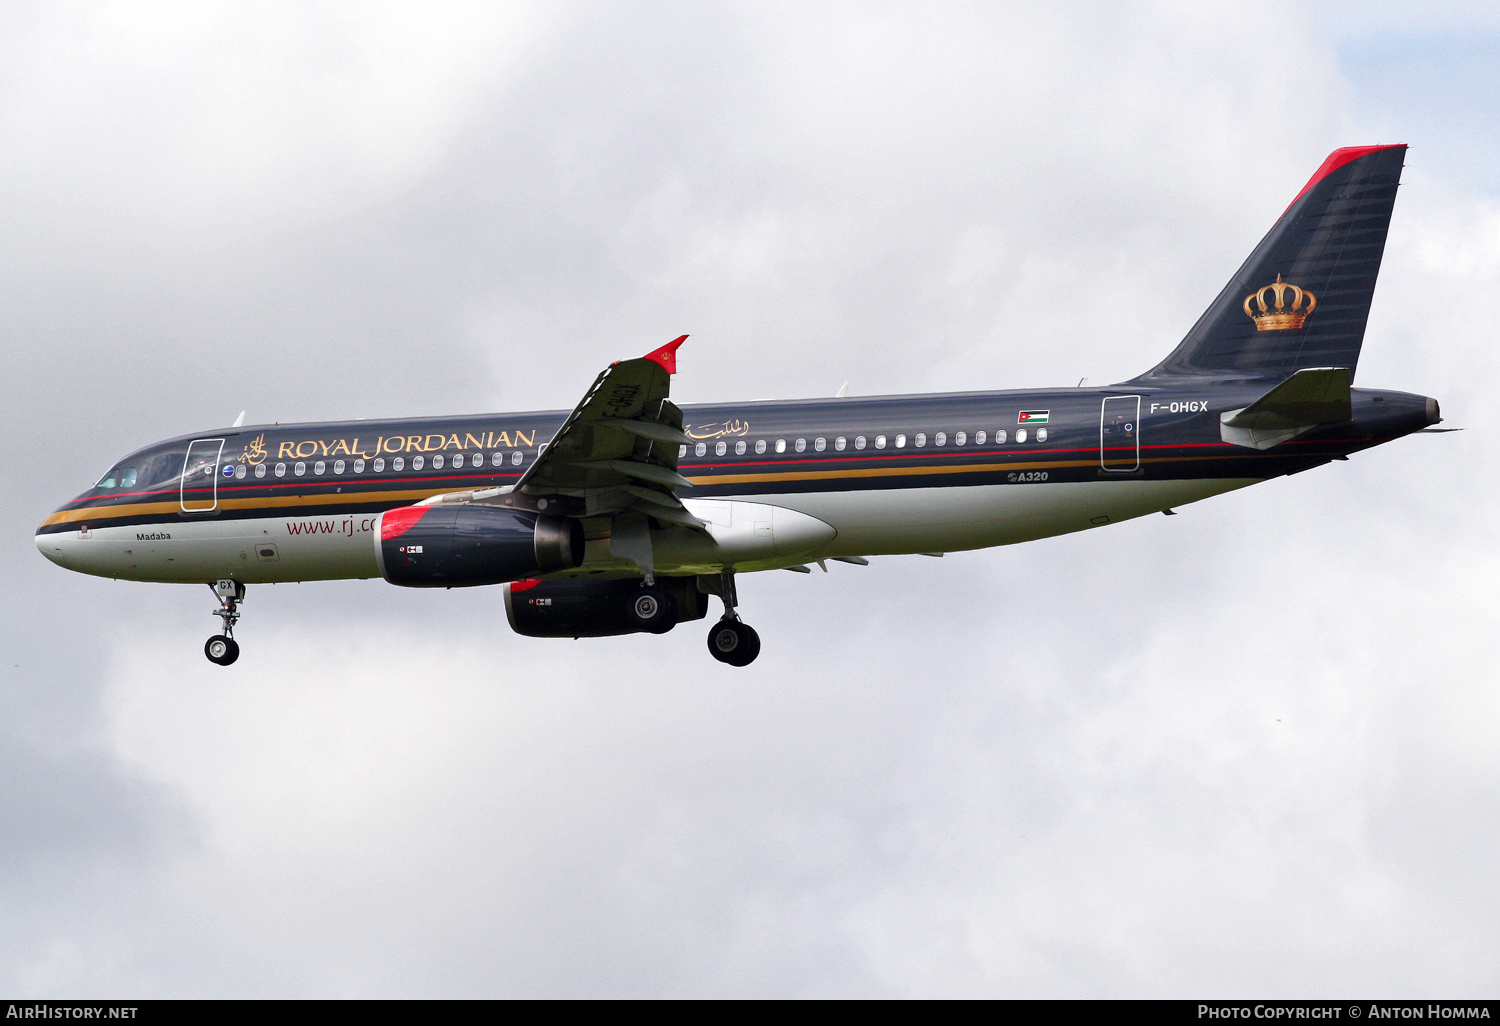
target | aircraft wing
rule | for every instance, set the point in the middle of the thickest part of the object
(617, 450)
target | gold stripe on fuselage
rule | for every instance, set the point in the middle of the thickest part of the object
(97, 513)
(141, 509)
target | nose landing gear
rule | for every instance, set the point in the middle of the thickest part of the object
(731, 640)
(222, 648)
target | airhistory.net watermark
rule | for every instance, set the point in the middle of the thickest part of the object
(47, 1010)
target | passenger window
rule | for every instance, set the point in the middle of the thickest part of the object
(839, 443)
(378, 466)
(901, 441)
(437, 462)
(399, 463)
(721, 448)
(281, 470)
(260, 471)
(921, 439)
(681, 451)
(319, 467)
(781, 445)
(859, 441)
(940, 438)
(497, 458)
(515, 458)
(959, 438)
(1001, 436)
(1041, 434)
(1020, 434)
(239, 472)
(417, 462)
(820, 444)
(359, 466)
(979, 438)
(338, 467)
(300, 469)
(801, 445)
(739, 448)
(760, 445)
(701, 449)
(880, 441)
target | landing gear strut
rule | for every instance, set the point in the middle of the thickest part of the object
(731, 640)
(222, 648)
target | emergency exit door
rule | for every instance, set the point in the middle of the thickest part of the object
(1119, 434)
(200, 476)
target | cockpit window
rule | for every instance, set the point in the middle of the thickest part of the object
(119, 477)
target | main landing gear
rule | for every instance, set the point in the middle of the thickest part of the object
(731, 640)
(222, 648)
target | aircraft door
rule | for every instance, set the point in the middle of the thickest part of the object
(200, 476)
(1119, 433)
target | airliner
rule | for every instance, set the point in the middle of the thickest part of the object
(630, 513)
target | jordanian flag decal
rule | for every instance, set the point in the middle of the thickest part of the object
(1033, 417)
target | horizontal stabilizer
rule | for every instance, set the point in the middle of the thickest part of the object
(1310, 397)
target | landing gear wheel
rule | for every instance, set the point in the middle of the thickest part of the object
(734, 643)
(221, 650)
(652, 609)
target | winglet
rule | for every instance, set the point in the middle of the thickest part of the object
(666, 356)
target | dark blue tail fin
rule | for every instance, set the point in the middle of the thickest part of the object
(1302, 298)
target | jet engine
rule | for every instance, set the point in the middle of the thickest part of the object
(462, 545)
(598, 609)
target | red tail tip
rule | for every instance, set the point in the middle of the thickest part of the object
(1337, 159)
(666, 356)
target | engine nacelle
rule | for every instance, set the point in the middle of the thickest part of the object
(462, 545)
(590, 609)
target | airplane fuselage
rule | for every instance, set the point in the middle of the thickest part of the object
(898, 474)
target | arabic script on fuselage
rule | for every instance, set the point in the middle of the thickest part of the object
(726, 429)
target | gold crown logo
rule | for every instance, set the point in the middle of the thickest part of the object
(1283, 315)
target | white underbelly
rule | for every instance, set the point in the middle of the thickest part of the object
(951, 519)
(259, 551)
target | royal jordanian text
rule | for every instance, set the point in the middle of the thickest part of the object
(398, 443)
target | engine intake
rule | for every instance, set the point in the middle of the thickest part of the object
(464, 545)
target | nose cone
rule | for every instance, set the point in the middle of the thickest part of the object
(1434, 415)
(54, 547)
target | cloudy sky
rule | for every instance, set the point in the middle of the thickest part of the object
(1246, 750)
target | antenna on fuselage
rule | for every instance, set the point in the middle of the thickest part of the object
(843, 392)
(240, 420)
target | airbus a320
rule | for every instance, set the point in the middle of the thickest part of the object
(631, 513)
